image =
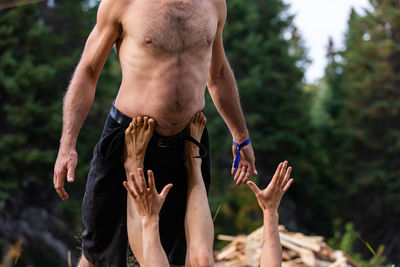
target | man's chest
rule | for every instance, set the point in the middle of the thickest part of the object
(171, 26)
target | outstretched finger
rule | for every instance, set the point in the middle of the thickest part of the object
(282, 172)
(129, 189)
(286, 178)
(287, 185)
(165, 191)
(254, 188)
(276, 175)
(142, 181)
(284, 168)
(152, 184)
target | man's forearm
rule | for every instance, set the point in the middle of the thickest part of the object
(271, 255)
(153, 253)
(223, 90)
(77, 103)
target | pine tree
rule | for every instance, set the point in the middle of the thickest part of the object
(40, 46)
(28, 125)
(269, 72)
(365, 108)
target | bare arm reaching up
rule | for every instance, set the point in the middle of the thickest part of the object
(80, 93)
(199, 228)
(224, 92)
(269, 199)
(148, 204)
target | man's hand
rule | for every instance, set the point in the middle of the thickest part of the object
(147, 201)
(270, 197)
(246, 167)
(65, 166)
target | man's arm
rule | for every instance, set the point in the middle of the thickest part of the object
(269, 199)
(80, 93)
(148, 204)
(224, 92)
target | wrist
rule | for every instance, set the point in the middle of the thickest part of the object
(148, 221)
(67, 149)
(270, 213)
(67, 143)
(240, 137)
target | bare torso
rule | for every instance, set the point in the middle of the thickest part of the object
(165, 51)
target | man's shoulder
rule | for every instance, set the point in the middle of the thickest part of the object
(219, 3)
(221, 9)
(114, 9)
(116, 3)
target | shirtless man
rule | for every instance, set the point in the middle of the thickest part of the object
(148, 203)
(169, 51)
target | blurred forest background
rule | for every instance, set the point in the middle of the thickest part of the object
(341, 135)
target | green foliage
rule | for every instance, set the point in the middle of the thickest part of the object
(343, 236)
(269, 73)
(341, 135)
(26, 99)
(345, 239)
(39, 49)
(363, 106)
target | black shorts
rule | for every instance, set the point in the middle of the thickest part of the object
(104, 241)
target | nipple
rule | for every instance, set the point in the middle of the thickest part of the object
(209, 40)
(147, 40)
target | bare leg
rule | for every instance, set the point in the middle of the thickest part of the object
(83, 262)
(137, 137)
(199, 228)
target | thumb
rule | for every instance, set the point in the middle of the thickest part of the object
(165, 191)
(234, 152)
(233, 169)
(253, 187)
(71, 171)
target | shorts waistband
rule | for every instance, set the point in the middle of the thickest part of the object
(118, 116)
(123, 119)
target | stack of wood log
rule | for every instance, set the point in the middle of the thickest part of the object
(298, 250)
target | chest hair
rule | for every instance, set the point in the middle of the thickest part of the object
(175, 26)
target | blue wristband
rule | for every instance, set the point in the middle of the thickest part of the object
(239, 146)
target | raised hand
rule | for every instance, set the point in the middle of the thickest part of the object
(247, 167)
(147, 201)
(270, 197)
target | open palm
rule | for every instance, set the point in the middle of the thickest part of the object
(147, 201)
(270, 197)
